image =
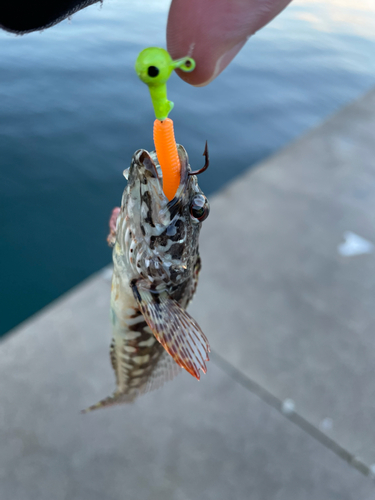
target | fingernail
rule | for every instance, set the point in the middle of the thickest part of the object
(223, 61)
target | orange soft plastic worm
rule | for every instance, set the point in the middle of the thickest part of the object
(166, 151)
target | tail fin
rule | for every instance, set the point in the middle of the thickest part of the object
(116, 399)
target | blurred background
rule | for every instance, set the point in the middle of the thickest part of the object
(73, 112)
(286, 294)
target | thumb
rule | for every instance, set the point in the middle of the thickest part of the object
(214, 31)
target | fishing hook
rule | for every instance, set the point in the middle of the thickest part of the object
(207, 162)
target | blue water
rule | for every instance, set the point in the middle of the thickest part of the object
(72, 112)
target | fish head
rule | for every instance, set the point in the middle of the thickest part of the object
(158, 239)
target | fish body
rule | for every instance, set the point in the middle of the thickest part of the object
(156, 266)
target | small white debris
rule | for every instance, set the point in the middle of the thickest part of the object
(326, 424)
(354, 245)
(288, 406)
(372, 471)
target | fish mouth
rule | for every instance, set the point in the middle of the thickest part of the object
(145, 186)
(145, 166)
(151, 179)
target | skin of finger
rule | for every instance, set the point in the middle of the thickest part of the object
(214, 31)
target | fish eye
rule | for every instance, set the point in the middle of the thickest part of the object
(152, 71)
(199, 208)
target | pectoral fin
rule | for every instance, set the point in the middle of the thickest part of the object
(174, 328)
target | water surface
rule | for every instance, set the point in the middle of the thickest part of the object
(72, 112)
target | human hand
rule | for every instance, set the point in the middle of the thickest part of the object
(214, 31)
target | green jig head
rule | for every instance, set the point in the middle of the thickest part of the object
(154, 66)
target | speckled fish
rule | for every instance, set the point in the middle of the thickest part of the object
(156, 267)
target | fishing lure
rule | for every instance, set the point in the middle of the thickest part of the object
(154, 67)
(156, 267)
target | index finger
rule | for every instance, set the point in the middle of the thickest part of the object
(214, 31)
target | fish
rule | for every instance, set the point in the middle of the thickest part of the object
(156, 265)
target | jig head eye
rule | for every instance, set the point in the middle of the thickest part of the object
(152, 71)
(154, 66)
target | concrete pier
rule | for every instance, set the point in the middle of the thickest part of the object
(287, 408)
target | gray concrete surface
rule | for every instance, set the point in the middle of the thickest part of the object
(287, 316)
(189, 440)
(281, 304)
